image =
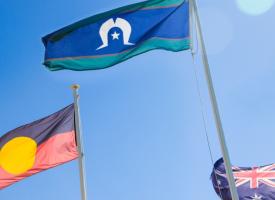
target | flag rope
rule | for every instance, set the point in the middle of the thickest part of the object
(215, 108)
(203, 115)
(202, 107)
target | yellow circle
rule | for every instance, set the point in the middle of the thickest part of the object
(18, 155)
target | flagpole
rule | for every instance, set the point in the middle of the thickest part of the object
(82, 176)
(228, 166)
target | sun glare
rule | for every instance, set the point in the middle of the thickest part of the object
(255, 7)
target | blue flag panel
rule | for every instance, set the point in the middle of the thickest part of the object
(112, 37)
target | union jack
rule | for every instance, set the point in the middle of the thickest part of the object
(255, 176)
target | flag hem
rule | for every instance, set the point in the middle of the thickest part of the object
(96, 63)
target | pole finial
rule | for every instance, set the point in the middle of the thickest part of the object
(75, 86)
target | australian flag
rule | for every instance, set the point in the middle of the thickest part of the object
(253, 183)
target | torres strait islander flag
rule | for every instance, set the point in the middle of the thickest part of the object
(112, 37)
(37, 146)
(253, 183)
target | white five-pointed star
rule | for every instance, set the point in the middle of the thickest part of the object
(256, 197)
(115, 35)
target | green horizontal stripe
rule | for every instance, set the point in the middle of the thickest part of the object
(94, 63)
(142, 5)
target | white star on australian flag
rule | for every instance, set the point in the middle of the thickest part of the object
(256, 197)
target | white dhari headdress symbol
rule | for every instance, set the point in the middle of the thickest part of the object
(123, 24)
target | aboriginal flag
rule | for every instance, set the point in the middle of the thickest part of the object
(37, 146)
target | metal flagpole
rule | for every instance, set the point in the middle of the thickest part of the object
(75, 89)
(214, 103)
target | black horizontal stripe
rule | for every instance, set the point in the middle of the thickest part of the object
(41, 130)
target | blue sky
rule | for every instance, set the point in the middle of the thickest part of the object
(142, 126)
